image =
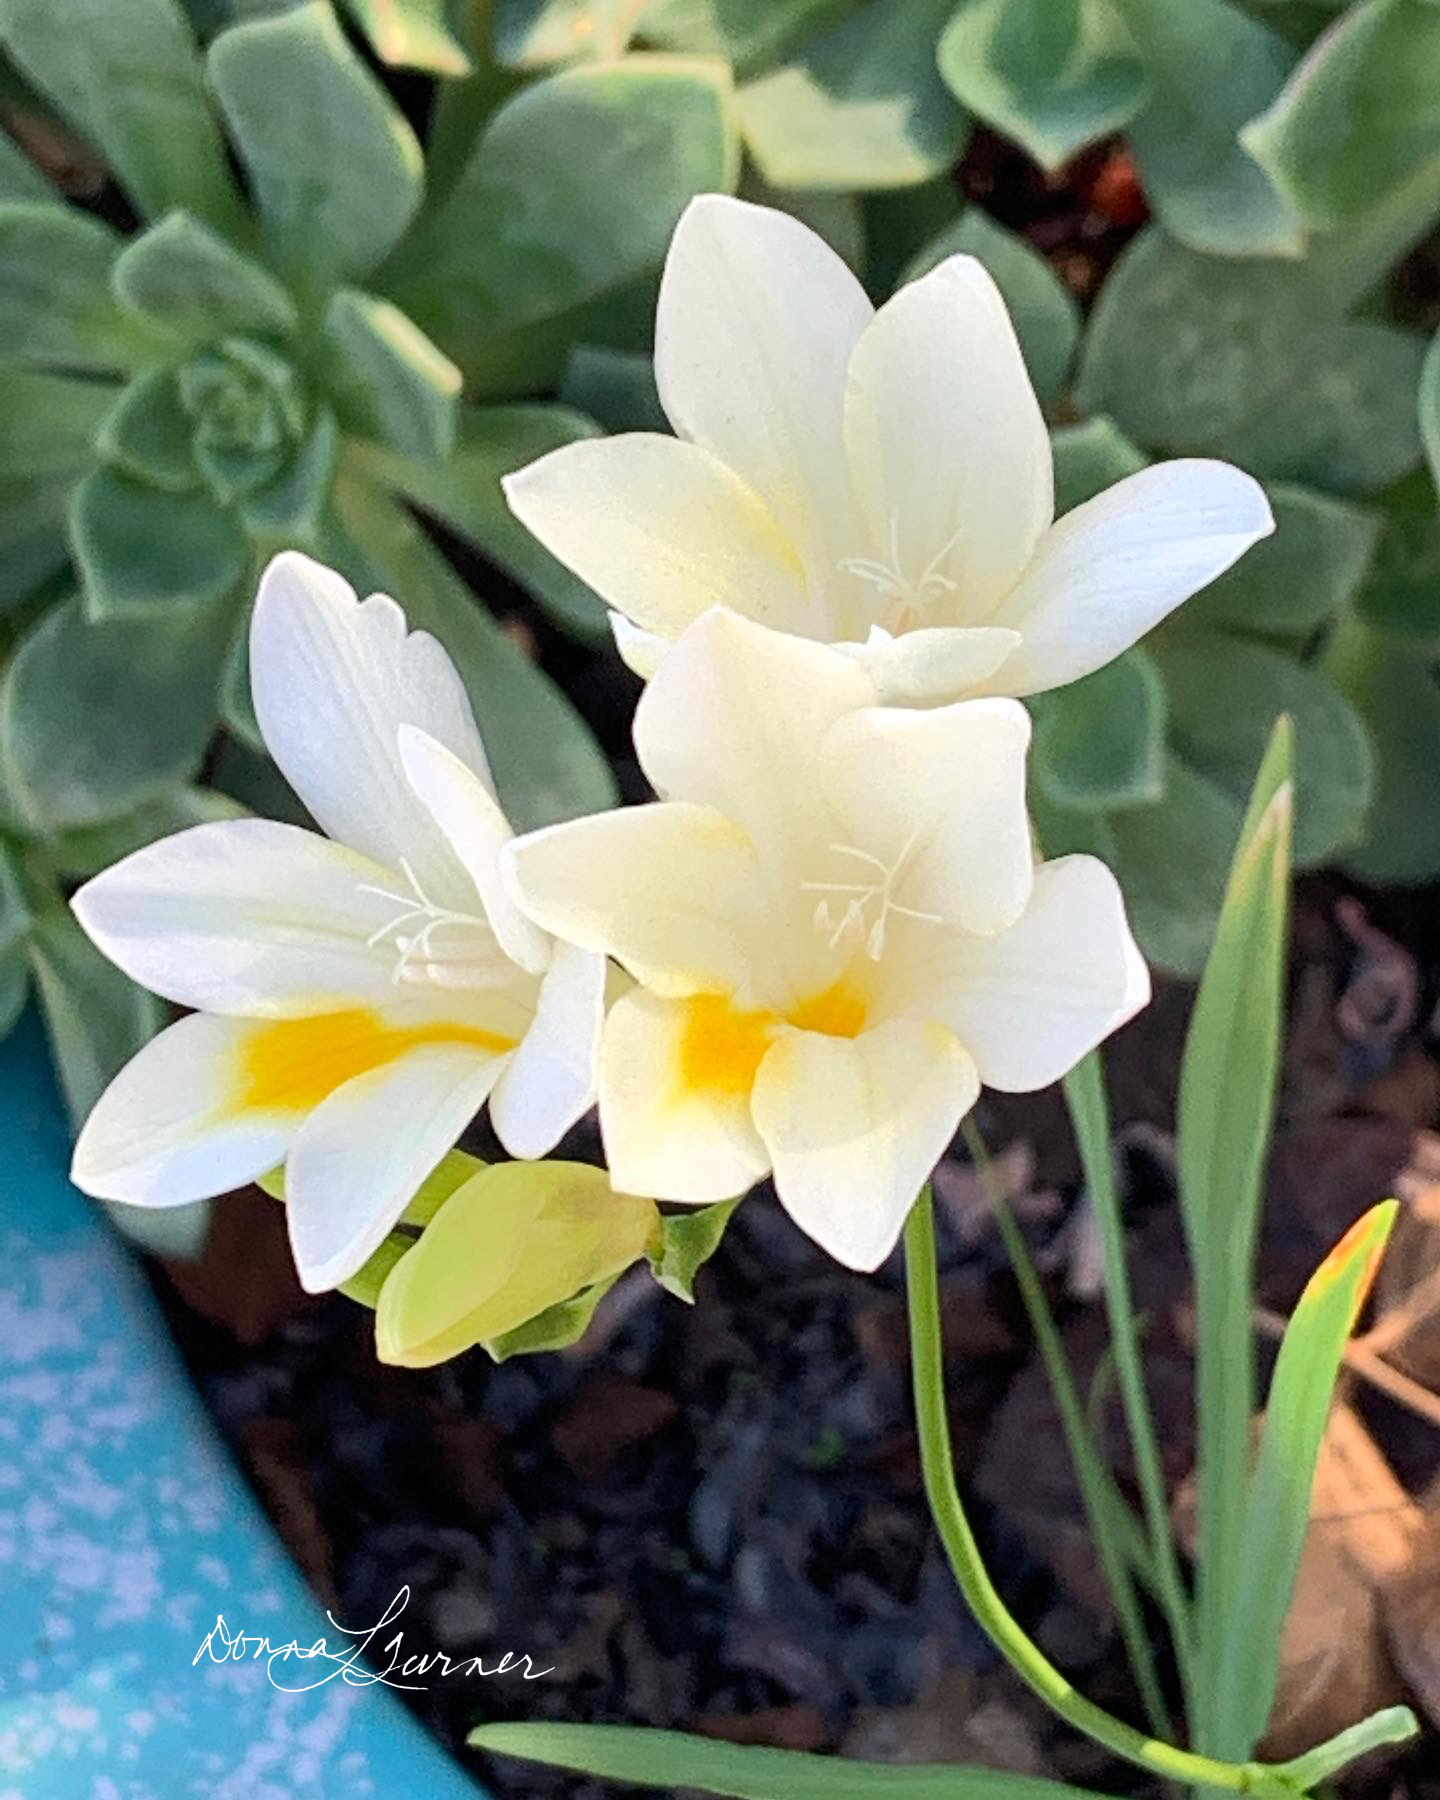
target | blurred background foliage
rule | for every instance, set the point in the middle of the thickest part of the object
(300, 273)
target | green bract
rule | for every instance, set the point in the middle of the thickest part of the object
(302, 332)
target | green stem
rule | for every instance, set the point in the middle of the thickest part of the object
(1085, 1096)
(1096, 1490)
(1024, 1656)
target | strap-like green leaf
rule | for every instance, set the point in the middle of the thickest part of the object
(676, 1759)
(128, 76)
(1278, 1510)
(335, 167)
(1227, 1097)
(387, 381)
(182, 277)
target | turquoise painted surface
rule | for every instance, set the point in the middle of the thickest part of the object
(125, 1529)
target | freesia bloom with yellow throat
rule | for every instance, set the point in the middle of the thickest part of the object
(357, 1000)
(838, 930)
(880, 480)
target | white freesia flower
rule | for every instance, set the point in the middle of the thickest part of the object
(357, 1000)
(838, 930)
(879, 480)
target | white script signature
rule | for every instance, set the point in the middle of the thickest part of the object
(220, 1644)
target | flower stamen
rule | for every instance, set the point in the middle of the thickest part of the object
(418, 957)
(859, 894)
(907, 598)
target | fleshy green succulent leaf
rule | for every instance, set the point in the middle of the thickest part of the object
(1046, 318)
(1377, 64)
(21, 179)
(290, 509)
(858, 104)
(1295, 579)
(16, 920)
(1228, 1079)
(33, 545)
(387, 381)
(671, 1759)
(1100, 743)
(748, 33)
(96, 1018)
(536, 34)
(15, 973)
(569, 197)
(148, 434)
(50, 422)
(1090, 458)
(685, 1243)
(141, 549)
(504, 1248)
(335, 167)
(1401, 592)
(129, 77)
(1209, 68)
(145, 688)
(616, 388)
(1054, 75)
(464, 492)
(1395, 692)
(182, 277)
(56, 307)
(1430, 408)
(1334, 771)
(1277, 1511)
(88, 849)
(547, 765)
(1206, 355)
(234, 472)
(412, 34)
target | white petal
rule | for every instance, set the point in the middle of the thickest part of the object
(665, 1136)
(753, 334)
(932, 666)
(734, 719)
(334, 679)
(948, 449)
(855, 1125)
(361, 1154)
(246, 916)
(940, 797)
(662, 530)
(550, 1081)
(163, 1133)
(1113, 568)
(642, 652)
(670, 890)
(1030, 1003)
(464, 808)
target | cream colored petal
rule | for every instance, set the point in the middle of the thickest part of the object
(936, 800)
(247, 916)
(642, 652)
(334, 678)
(669, 890)
(753, 334)
(469, 815)
(361, 1154)
(1031, 1002)
(949, 453)
(549, 1083)
(662, 530)
(668, 1134)
(1112, 569)
(930, 667)
(855, 1125)
(734, 719)
(164, 1131)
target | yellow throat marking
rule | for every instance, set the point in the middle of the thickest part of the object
(291, 1065)
(721, 1047)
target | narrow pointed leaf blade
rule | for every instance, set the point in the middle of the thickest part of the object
(1279, 1507)
(676, 1759)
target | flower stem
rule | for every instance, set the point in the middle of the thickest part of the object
(1000, 1625)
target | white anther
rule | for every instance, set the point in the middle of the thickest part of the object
(858, 896)
(417, 957)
